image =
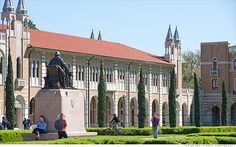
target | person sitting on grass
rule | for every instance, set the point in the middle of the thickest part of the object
(115, 122)
(41, 127)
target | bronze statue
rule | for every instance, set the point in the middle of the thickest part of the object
(58, 74)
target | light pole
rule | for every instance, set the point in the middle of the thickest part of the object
(128, 88)
(88, 95)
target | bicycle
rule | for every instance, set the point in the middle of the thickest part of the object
(113, 130)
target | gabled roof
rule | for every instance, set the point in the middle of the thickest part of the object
(61, 42)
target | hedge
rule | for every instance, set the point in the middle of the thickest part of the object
(12, 136)
(229, 134)
(133, 140)
(167, 130)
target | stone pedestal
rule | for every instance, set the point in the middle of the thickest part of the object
(70, 102)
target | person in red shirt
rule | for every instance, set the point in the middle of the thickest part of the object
(62, 132)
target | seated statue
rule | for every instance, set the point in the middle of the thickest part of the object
(58, 74)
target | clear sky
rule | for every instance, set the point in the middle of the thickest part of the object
(142, 24)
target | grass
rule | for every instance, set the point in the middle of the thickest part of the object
(178, 135)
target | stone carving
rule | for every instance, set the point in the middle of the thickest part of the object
(58, 74)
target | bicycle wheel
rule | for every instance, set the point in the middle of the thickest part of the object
(108, 131)
(120, 131)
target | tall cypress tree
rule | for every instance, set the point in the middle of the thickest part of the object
(172, 99)
(141, 102)
(101, 99)
(10, 99)
(197, 113)
(224, 105)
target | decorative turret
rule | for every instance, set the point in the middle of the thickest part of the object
(92, 35)
(173, 54)
(8, 6)
(8, 15)
(21, 7)
(176, 36)
(99, 36)
(169, 37)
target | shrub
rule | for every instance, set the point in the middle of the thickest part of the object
(167, 130)
(226, 140)
(199, 140)
(11, 136)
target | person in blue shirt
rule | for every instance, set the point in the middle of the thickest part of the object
(41, 127)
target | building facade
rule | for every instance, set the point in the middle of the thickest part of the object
(218, 64)
(31, 50)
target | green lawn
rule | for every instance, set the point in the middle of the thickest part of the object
(178, 135)
(162, 139)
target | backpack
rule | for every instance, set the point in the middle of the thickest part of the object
(57, 124)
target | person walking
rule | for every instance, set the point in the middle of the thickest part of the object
(155, 123)
(41, 127)
(115, 123)
(60, 125)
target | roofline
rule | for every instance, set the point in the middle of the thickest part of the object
(98, 41)
(104, 56)
(218, 42)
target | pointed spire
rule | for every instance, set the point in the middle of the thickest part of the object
(92, 35)
(8, 6)
(21, 7)
(99, 36)
(176, 35)
(169, 35)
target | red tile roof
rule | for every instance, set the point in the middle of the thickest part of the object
(61, 42)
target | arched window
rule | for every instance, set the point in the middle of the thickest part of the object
(214, 64)
(234, 64)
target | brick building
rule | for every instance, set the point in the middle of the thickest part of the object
(218, 63)
(31, 50)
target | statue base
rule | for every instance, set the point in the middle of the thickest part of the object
(70, 102)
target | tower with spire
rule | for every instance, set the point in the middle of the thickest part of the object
(173, 54)
(99, 36)
(15, 29)
(8, 13)
(92, 35)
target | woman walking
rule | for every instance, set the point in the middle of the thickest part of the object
(155, 123)
(61, 125)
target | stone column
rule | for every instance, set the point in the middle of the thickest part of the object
(149, 85)
(160, 94)
(74, 71)
(115, 96)
(126, 98)
(43, 68)
(86, 98)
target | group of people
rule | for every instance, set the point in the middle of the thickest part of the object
(5, 124)
(60, 125)
(155, 123)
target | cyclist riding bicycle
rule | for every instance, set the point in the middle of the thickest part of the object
(115, 123)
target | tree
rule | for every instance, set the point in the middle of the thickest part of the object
(197, 115)
(172, 99)
(191, 65)
(141, 102)
(10, 99)
(224, 105)
(31, 25)
(101, 99)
